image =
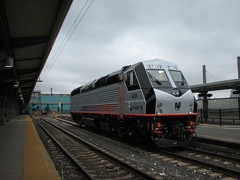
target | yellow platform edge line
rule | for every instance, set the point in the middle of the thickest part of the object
(37, 162)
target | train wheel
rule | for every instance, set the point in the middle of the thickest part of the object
(155, 138)
(79, 120)
(120, 132)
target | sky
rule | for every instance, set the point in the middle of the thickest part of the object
(101, 36)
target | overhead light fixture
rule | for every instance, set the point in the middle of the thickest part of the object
(39, 80)
(8, 62)
(16, 83)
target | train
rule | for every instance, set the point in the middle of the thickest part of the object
(148, 100)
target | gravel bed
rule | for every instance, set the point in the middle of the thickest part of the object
(165, 167)
(217, 149)
(217, 161)
(63, 164)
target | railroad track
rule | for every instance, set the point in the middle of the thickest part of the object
(215, 165)
(222, 165)
(217, 156)
(93, 161)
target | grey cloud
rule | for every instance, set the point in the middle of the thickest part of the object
(116, 33)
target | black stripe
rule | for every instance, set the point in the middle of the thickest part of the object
(147, 89)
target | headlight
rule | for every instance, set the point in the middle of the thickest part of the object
(159, 112)
(190, 109)
(176, 92)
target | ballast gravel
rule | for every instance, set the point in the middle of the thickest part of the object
(164, 167)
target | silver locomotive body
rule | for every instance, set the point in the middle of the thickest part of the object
(149, 99)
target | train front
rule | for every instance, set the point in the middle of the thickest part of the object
(175, 106)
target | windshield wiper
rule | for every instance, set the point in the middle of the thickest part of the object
(154, 79)
(183, 81)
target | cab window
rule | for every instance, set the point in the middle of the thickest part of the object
(158, 78)
(178, 78)
(131, 81)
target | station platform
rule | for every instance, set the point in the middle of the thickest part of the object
(224, 133)
(22, 154)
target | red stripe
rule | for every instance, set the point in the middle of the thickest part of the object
(141, 115)
(152, 115)
(100, 113)
(193, 114)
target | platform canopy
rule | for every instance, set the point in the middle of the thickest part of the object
(215, 86)
(28, 29)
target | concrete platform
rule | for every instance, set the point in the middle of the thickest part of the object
(22, 154)
(225, 133)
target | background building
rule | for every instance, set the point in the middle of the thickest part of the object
(47, 103)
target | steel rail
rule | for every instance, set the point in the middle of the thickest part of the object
(213, 167)
(82, 169)
(234, 159)
(138, 172)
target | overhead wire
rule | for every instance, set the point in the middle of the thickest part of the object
(212, 76)
(68, 36)
(231, 71)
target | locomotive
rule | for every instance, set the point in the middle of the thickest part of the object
(147, 100)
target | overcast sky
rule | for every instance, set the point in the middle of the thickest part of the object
(115, 33)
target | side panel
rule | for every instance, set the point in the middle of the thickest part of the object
(100, 101)
(134, 102)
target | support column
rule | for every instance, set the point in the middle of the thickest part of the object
(205, 98)
(2, 113)
(204, 74)
(7, 109)
(238, 64)
(205, 106)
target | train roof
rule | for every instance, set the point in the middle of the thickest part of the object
(114, 77)
(159, 64)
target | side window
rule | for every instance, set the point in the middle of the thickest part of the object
(131, 81)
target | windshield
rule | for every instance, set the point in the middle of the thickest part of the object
(158, 77)
(178, 78)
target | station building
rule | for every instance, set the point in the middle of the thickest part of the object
(48, 103)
